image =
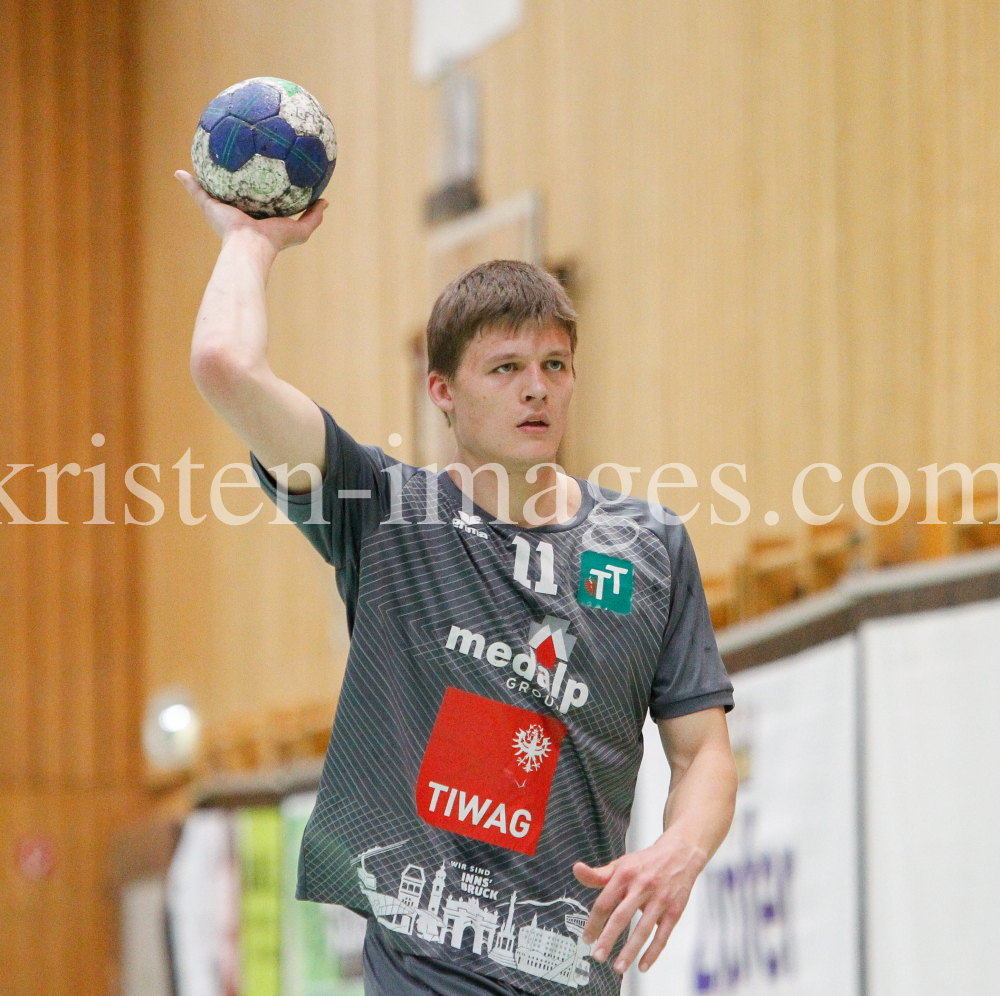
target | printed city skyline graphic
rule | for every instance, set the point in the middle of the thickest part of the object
(506, 930)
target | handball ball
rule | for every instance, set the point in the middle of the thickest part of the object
(265, 146)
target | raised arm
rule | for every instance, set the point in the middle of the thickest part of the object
(658, 880)
(279, 423)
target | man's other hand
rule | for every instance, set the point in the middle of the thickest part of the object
(225, 219)
(659, 879)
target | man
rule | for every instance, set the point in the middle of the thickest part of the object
(511, 626)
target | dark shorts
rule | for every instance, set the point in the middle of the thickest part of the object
(389, 972)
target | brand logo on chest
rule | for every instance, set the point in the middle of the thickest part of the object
(605, 582)
(542, 672)
(488, 769)
(466, 523)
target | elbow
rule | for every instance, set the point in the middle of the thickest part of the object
(216, 372)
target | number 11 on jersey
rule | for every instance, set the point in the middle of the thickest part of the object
(546, 585)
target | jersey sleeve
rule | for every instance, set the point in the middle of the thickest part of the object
(353, 498)
(690, 675)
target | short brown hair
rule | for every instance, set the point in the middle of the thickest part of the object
(504, 293)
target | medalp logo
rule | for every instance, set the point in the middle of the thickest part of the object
(550, 641)
(605, 582)
(542, 672)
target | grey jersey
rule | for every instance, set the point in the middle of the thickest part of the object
(488, 733)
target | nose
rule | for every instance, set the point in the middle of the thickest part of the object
(534, 387)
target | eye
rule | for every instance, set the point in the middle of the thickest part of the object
(504, 368)
(555, 365)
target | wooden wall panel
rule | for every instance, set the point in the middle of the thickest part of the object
(15, 703)
(793, 357)
(249, 615)
(58, 934)
(70, 652)
(785, 231)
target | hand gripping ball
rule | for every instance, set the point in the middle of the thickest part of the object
(265, 146)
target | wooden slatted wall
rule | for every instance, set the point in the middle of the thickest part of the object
(784, 217)
(70, 660)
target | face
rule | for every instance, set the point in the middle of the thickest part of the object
(509, 399)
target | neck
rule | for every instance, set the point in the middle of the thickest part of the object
(508, 494)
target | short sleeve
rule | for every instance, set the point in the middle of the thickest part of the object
(354, 496)
(690, 675)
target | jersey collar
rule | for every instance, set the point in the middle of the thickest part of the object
(454, 494)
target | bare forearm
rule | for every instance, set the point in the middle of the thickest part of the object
(277, 421)
(230, 331)
(701, 801)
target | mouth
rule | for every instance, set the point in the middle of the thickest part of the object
(534, 424)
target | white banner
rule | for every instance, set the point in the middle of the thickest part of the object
(145, 961)
(203, 905)
(775, 911)
(933, 683)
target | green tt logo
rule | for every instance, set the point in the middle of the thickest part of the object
(605, 582)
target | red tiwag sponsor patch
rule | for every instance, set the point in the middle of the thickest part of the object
(487, 771)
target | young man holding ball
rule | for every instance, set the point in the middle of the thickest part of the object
(511, 627)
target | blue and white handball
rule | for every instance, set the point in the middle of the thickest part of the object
(265, 146)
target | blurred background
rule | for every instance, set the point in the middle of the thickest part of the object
(780, 223)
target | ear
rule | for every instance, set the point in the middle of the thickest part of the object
(439, 391)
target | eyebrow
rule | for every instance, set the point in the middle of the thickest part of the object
(556, 354)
